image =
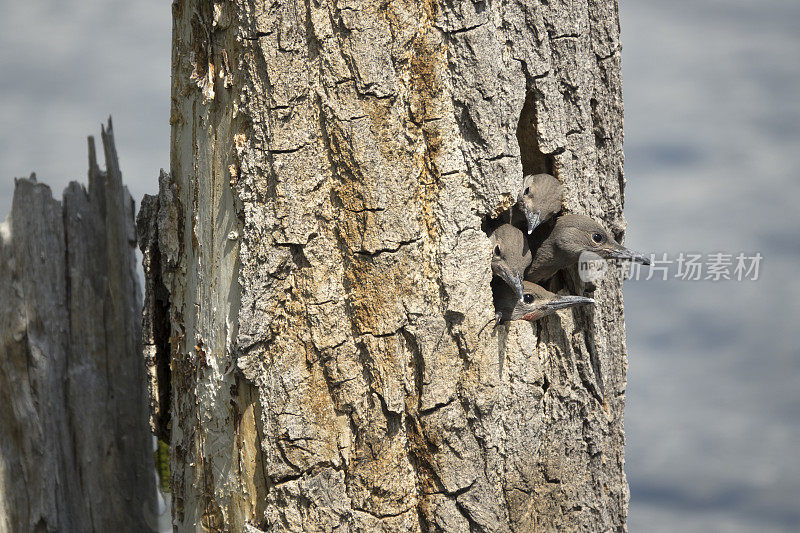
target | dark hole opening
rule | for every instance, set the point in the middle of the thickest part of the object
(534, 161)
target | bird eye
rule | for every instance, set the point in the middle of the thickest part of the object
(497, 250)
(527, 298)
(526, 191)
(597, 237)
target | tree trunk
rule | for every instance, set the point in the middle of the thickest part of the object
(75, 453)
(334, 360)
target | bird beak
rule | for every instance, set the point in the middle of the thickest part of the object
(624, 253)
(563, 302)
(534, 219)
(514, 280)
(548, 308)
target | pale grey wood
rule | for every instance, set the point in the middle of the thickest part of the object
(75, 452)
(334, 360)
(39, 488)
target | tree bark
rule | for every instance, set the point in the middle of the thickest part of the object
(334, 361)
(75, 453)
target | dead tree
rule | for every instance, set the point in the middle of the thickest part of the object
(326, 355)
(75, 452)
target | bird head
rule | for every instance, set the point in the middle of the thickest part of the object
(540, 199)
(511, 255)
(538, 302)
(575, 234)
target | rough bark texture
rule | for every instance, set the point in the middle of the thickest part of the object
(75, 453)
(334, 358)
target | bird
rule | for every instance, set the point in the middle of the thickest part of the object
(571, 235)
(511, 255)
(536, 302)
(539, 200)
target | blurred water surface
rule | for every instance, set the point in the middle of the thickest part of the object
(712, 129)
(66, 65)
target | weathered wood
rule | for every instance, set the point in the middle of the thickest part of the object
(75, 453)
(334, 360)
(155, 319)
